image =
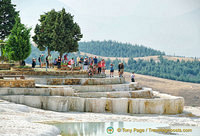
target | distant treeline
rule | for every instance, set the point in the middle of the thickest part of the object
(117, 49)
(187, 71)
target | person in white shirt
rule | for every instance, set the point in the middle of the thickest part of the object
(72, 64)
(50, 61)
(132, 77)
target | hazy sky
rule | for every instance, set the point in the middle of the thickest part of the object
(172, 26)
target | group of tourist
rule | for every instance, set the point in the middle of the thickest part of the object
(91, 64)
(43, 61)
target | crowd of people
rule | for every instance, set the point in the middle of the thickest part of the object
(90, 64)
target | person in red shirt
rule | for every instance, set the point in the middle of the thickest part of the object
(103, 66)
(65, 58)
(99, 67)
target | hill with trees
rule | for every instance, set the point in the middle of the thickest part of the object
(117, 49)
(187, 71)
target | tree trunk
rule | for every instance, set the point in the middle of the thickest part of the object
(61, 54)
(49, 51)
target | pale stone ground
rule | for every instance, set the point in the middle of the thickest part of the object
(20, 120)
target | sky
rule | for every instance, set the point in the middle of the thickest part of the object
(172, 26)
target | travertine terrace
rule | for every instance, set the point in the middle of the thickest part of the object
(74, 91)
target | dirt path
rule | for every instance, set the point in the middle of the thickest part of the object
(190, 91)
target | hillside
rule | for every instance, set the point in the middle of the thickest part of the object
(147, 58)
(190, 91)
(175, 68)
(117, 49)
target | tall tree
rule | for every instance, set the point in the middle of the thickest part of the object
(66, 33)
(44, 30)
(18, 45)
(7, 17)
(57, 31)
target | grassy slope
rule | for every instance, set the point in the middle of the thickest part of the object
(190, 91)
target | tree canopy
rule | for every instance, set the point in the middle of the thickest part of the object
(117, 49)
(18, 45)
(7, 17)
(57, 31)
(43, 32)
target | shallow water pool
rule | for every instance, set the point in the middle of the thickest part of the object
(125, 129)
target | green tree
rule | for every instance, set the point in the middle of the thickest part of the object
(66, 33)
(57, 31)
(44, 30)
(7, 17)
(18, 45)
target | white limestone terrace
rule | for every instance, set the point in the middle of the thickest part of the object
(116, 101)
(87, 100)
(99, 95)
(21, 120)
(79, 81)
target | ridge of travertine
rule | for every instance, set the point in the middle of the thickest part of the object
(98, 95)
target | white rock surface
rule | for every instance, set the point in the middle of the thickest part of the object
(20, 120)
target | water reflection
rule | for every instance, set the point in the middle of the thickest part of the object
(100, 129)
(81, 129)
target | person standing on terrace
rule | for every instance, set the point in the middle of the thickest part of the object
(47, 62)
(65, 58)
(111, 70)
(122, 69)
(103, 63)
(77, 61)
(119, 69)
(50, 60)
(42, 60)
(86, 63)
(81, 62)
(39, 60)
(99, 67)
(59, 62)
(72, 64)
(95, 60)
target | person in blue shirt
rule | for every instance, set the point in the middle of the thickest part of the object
(95, 60)
(111, 70)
